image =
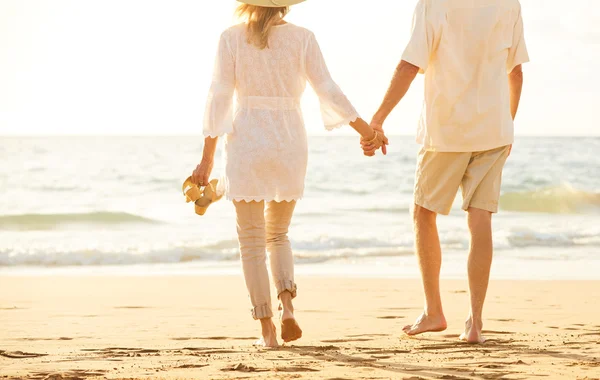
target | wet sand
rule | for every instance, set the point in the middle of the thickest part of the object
(200, 327)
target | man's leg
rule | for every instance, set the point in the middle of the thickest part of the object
(429, 255)
(481, 192)
(438, 177)
(480, 262)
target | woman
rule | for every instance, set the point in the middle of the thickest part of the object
(266, 62)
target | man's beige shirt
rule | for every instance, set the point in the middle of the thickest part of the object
(466, 48)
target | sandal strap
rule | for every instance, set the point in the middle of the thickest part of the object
(195, 193)
(191, 191)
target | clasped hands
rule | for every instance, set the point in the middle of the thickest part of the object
(379, 141)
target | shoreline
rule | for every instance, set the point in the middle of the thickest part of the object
(506, 267)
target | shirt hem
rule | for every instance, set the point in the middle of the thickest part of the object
(517, 63)
(260, 198)
(461, 149)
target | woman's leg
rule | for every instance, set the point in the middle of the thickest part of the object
(251, 236)
(278, 219)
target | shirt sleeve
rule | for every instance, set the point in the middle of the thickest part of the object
(420, 47)
(218, 115)
(517, 54)
(336, 109)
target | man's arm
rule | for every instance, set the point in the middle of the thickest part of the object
(515, 84)
(403, 77)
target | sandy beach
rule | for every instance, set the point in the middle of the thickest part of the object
(197, 327)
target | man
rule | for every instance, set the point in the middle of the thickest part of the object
(471, 54)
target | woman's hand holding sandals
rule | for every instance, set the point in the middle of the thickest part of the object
(202, 172)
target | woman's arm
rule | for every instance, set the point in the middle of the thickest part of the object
(218, 115)
(369, 137)
(364, 130)
(336, 109)
(201, 175)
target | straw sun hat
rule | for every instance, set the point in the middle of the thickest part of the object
(271, 3)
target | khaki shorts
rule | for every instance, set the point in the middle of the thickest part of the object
(440, 175)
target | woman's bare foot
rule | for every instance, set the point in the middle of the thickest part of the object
(473, 332)
(290, 330)
(269, 334)
(426, 323)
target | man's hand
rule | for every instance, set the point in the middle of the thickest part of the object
(378, 126)
(369, 149)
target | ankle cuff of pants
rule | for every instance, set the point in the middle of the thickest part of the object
(262, 311)
(286, 286)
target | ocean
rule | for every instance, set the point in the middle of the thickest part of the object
(113, 205)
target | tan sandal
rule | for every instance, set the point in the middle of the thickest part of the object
(201, 196)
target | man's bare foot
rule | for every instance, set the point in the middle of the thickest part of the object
(426, 323)
(472, 334)
(269, 334)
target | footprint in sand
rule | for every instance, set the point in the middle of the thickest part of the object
(295, 369)
(346, 340)
(70, 375)
(497, 332)
(20, 354)
(491, 366)
(214, 338)
(451, 336)
(41, 339)
(377, 352)
(205, 351)
(241, 367)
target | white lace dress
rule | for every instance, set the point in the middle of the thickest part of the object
(266, 149)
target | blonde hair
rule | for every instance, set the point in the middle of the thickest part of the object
(259, 21)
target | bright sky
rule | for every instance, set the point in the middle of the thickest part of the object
(144, 66)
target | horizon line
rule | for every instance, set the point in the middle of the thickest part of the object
(200, 135)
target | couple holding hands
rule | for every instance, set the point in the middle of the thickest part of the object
(471, 54)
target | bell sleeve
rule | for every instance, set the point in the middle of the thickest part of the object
(218, 115)
(336, 109)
